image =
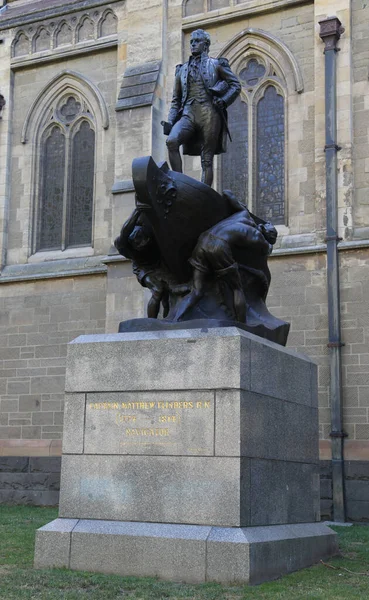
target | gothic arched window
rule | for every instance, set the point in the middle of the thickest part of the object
(66, 177)
(254, 166)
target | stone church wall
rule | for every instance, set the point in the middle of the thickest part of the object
(42, 309)
(37, 320)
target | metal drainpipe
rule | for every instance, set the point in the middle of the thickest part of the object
(330, 32)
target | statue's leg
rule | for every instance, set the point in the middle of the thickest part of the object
(211, 128)
(153, 306)
(165, 303)
(181, 133)
(239, 302)
(193, 297)
(227, 270)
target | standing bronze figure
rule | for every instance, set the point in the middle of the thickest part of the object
(203, 89)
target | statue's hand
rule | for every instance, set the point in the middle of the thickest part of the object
(154, 284)
(167, 127)
(219, 103)
(269, 232)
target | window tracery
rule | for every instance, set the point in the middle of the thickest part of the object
(254, 166)
(64, 210)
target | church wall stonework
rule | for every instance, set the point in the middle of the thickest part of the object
(299, 294)
(38, 319)
(360, 100)
(41, 310)
(28, 83)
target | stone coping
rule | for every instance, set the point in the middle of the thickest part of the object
(356, 450)
(51, 269)
(65, 52)
(235, 12)
(353, 450)
(30, 447)
(23, 14)
(123, 186)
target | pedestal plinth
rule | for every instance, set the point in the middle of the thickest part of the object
(191, 455)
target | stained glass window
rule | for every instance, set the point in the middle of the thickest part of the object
(252, 72)
(83, 158)
(67, 171)
(52, 190)
(235, 161)
(255, 166)
(270, 156)
(70, 109)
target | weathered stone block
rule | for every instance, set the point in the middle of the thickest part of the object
(53, 544)
(189, 553)
(166, 489)
(251, 424)
(30, 497)
(95, 362)
(175, 552)
(357, 510)
(285, 375)
(293, 492)
(74, 421)
(14, 464)
(29, 481)
(357, 490)
(44, 464)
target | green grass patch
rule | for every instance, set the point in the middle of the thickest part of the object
(342, 578)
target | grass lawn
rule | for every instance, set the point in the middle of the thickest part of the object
(346, 577)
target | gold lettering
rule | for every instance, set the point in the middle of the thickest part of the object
(198, 404)
(169, 418)
(206, 404)
(124, 418)
(104, 405)
(148, 432)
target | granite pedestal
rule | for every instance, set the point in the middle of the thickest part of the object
(190, 455)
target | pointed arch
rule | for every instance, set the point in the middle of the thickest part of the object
(41, 40)
(62, 83)
(107, 24)
(262, 42)
(192, 7)
(85, 29)
(63, 34)
(20, 45)
(269, 76)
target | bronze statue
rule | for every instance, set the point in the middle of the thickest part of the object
(203, 89)
(213, 255)
(203, 255)
(137, 242)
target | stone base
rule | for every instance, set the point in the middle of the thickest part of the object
(188, 553)
(271, 328)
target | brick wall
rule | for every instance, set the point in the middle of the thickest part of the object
(356, 490)
(360, 47)
(30, 480)
(298, 294)
(37, 320)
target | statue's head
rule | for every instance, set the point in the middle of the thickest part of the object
(141, 235)
(199, 42)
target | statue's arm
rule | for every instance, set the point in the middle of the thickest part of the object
(141, 270)
(176, 103)
(122, 241)
(234, 86)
